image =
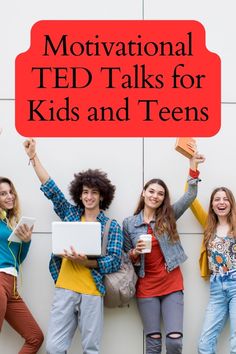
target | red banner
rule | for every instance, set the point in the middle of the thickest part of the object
(118, 79)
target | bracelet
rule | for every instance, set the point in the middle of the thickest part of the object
(31, 159)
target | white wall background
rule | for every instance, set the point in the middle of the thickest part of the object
(127, 161)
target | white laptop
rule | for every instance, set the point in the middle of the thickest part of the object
(85, 237)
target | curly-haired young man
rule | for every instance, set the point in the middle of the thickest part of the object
(79, 288)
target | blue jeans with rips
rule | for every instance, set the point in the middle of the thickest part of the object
(222, 305)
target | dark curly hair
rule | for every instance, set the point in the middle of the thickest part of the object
(92, 179)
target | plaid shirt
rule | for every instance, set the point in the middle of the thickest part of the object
(69, 212)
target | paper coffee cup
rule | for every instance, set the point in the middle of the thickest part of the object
(147, 238)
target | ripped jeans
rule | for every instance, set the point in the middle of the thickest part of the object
(221, 306)
(170, 307)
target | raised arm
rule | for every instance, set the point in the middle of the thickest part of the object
(201, 215)
(185, 201)
(30, 149)
(195, 161)
(196, 207)
(198, 211)
(61, 206)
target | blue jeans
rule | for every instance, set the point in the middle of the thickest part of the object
(222, 304)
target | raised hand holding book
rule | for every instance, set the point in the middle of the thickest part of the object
(186, 146)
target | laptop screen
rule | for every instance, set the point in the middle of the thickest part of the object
(85, 237)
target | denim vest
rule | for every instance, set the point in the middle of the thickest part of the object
(173, 252)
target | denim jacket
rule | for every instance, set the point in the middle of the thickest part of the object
(173, 252)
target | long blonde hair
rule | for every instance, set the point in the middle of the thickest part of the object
(212, 219)
(12, 215)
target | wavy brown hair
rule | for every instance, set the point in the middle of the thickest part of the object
(13, 215)
(164, 215)
(92, 179)
(212, 219)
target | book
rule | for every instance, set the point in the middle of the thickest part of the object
(181, 146)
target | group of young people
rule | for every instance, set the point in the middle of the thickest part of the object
(79, 288)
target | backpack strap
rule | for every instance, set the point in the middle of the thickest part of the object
(105, 237)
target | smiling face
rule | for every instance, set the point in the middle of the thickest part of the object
(221, 204)
(90, 198)
(154, 196)
(7, 196)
